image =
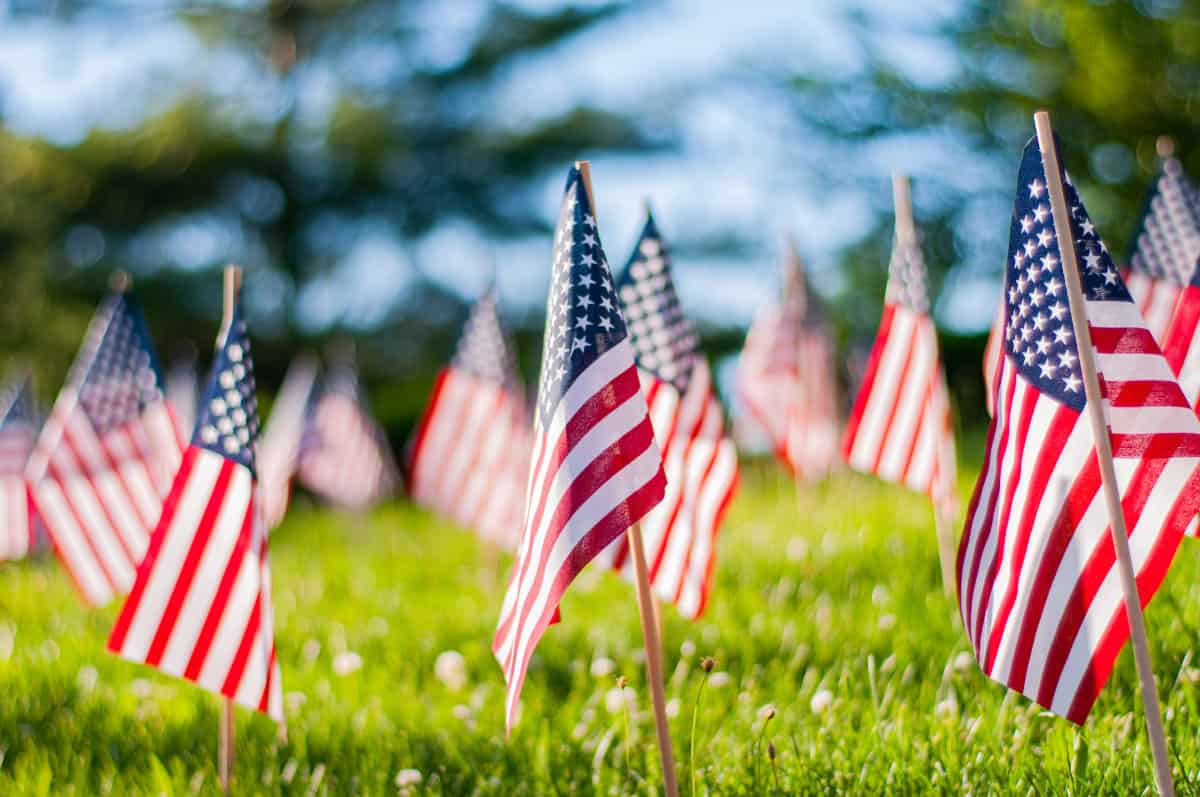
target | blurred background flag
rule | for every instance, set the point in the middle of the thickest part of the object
(345, 458)
(470, 452)
(699, 458)
(787, 377)
(283, 437)
(181, 392)
(1040, 595)
(201, 606)
(18, 428)
(1166, 246)
(900, 427)
(1182, 344)
(596, 469)
(104, 458)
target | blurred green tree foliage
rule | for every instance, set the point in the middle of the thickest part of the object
(401, 147)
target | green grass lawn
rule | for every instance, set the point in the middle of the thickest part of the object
(831, 612)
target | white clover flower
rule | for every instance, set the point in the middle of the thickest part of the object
(408, 777)
(887, 622)
(719, 679)
(86, 678)
(964, 661)
(946, 708)
(451, 669)
(310, 650)
(346, 663)
(673, 707)
(616, 699)
(602, 667)
(820, 701)
(461, 712)
(687, 649)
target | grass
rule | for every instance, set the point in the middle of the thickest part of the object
(830, 612)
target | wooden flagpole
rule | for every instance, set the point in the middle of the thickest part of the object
(225, 752)
(650, 634)
(1116, 517)
(906, 235)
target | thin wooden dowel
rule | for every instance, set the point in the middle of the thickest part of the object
(654, 662)
(225, 752)
(1095, 409)
(906, 235)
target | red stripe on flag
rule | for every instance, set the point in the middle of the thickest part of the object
(868, 381)
(212, 621)
(116, 639)
(187, 571)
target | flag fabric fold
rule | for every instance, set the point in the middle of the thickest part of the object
(104, 458)
(1039, 589)
(595, 468)
(787, 377)
(900, 428)
(699, 458)
(18, 430)
(200, 608)
(470, 454)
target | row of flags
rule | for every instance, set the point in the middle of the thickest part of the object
(625, 431)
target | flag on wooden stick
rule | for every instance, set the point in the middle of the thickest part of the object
(1040, 590)
(787, 376)
(699, 458)
(470, 454)
(596, 469)
(283, 439)
(1166, 247)
(900, 427)
(201, 606)
(104, 458)
(18, 428)
(345, 458)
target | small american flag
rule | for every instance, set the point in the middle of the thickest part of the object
(200, 608)
(282, 441)
(900, 427)
(470, 454)
(1039, 590)
(104, 458)
(18, 428)
(787, 377)
(699, 459)
(596, 469)
(1166, 247)
(345, 458)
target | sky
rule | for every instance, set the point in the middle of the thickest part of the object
(744, 163)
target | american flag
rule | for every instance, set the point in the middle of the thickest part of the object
(1039, 590)
(283, 438)
(104, 458)
(900, 428)
(596, 469)
(470, 454)
(18, 428)
(700, 461)
(1166, 247)
(201, 606)
(346, 459)
(181, 393)
(787, 377)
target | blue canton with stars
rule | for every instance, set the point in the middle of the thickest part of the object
(582, 317)
(664, 342)
(228, 410)
(117, 373)
(1040, 338)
